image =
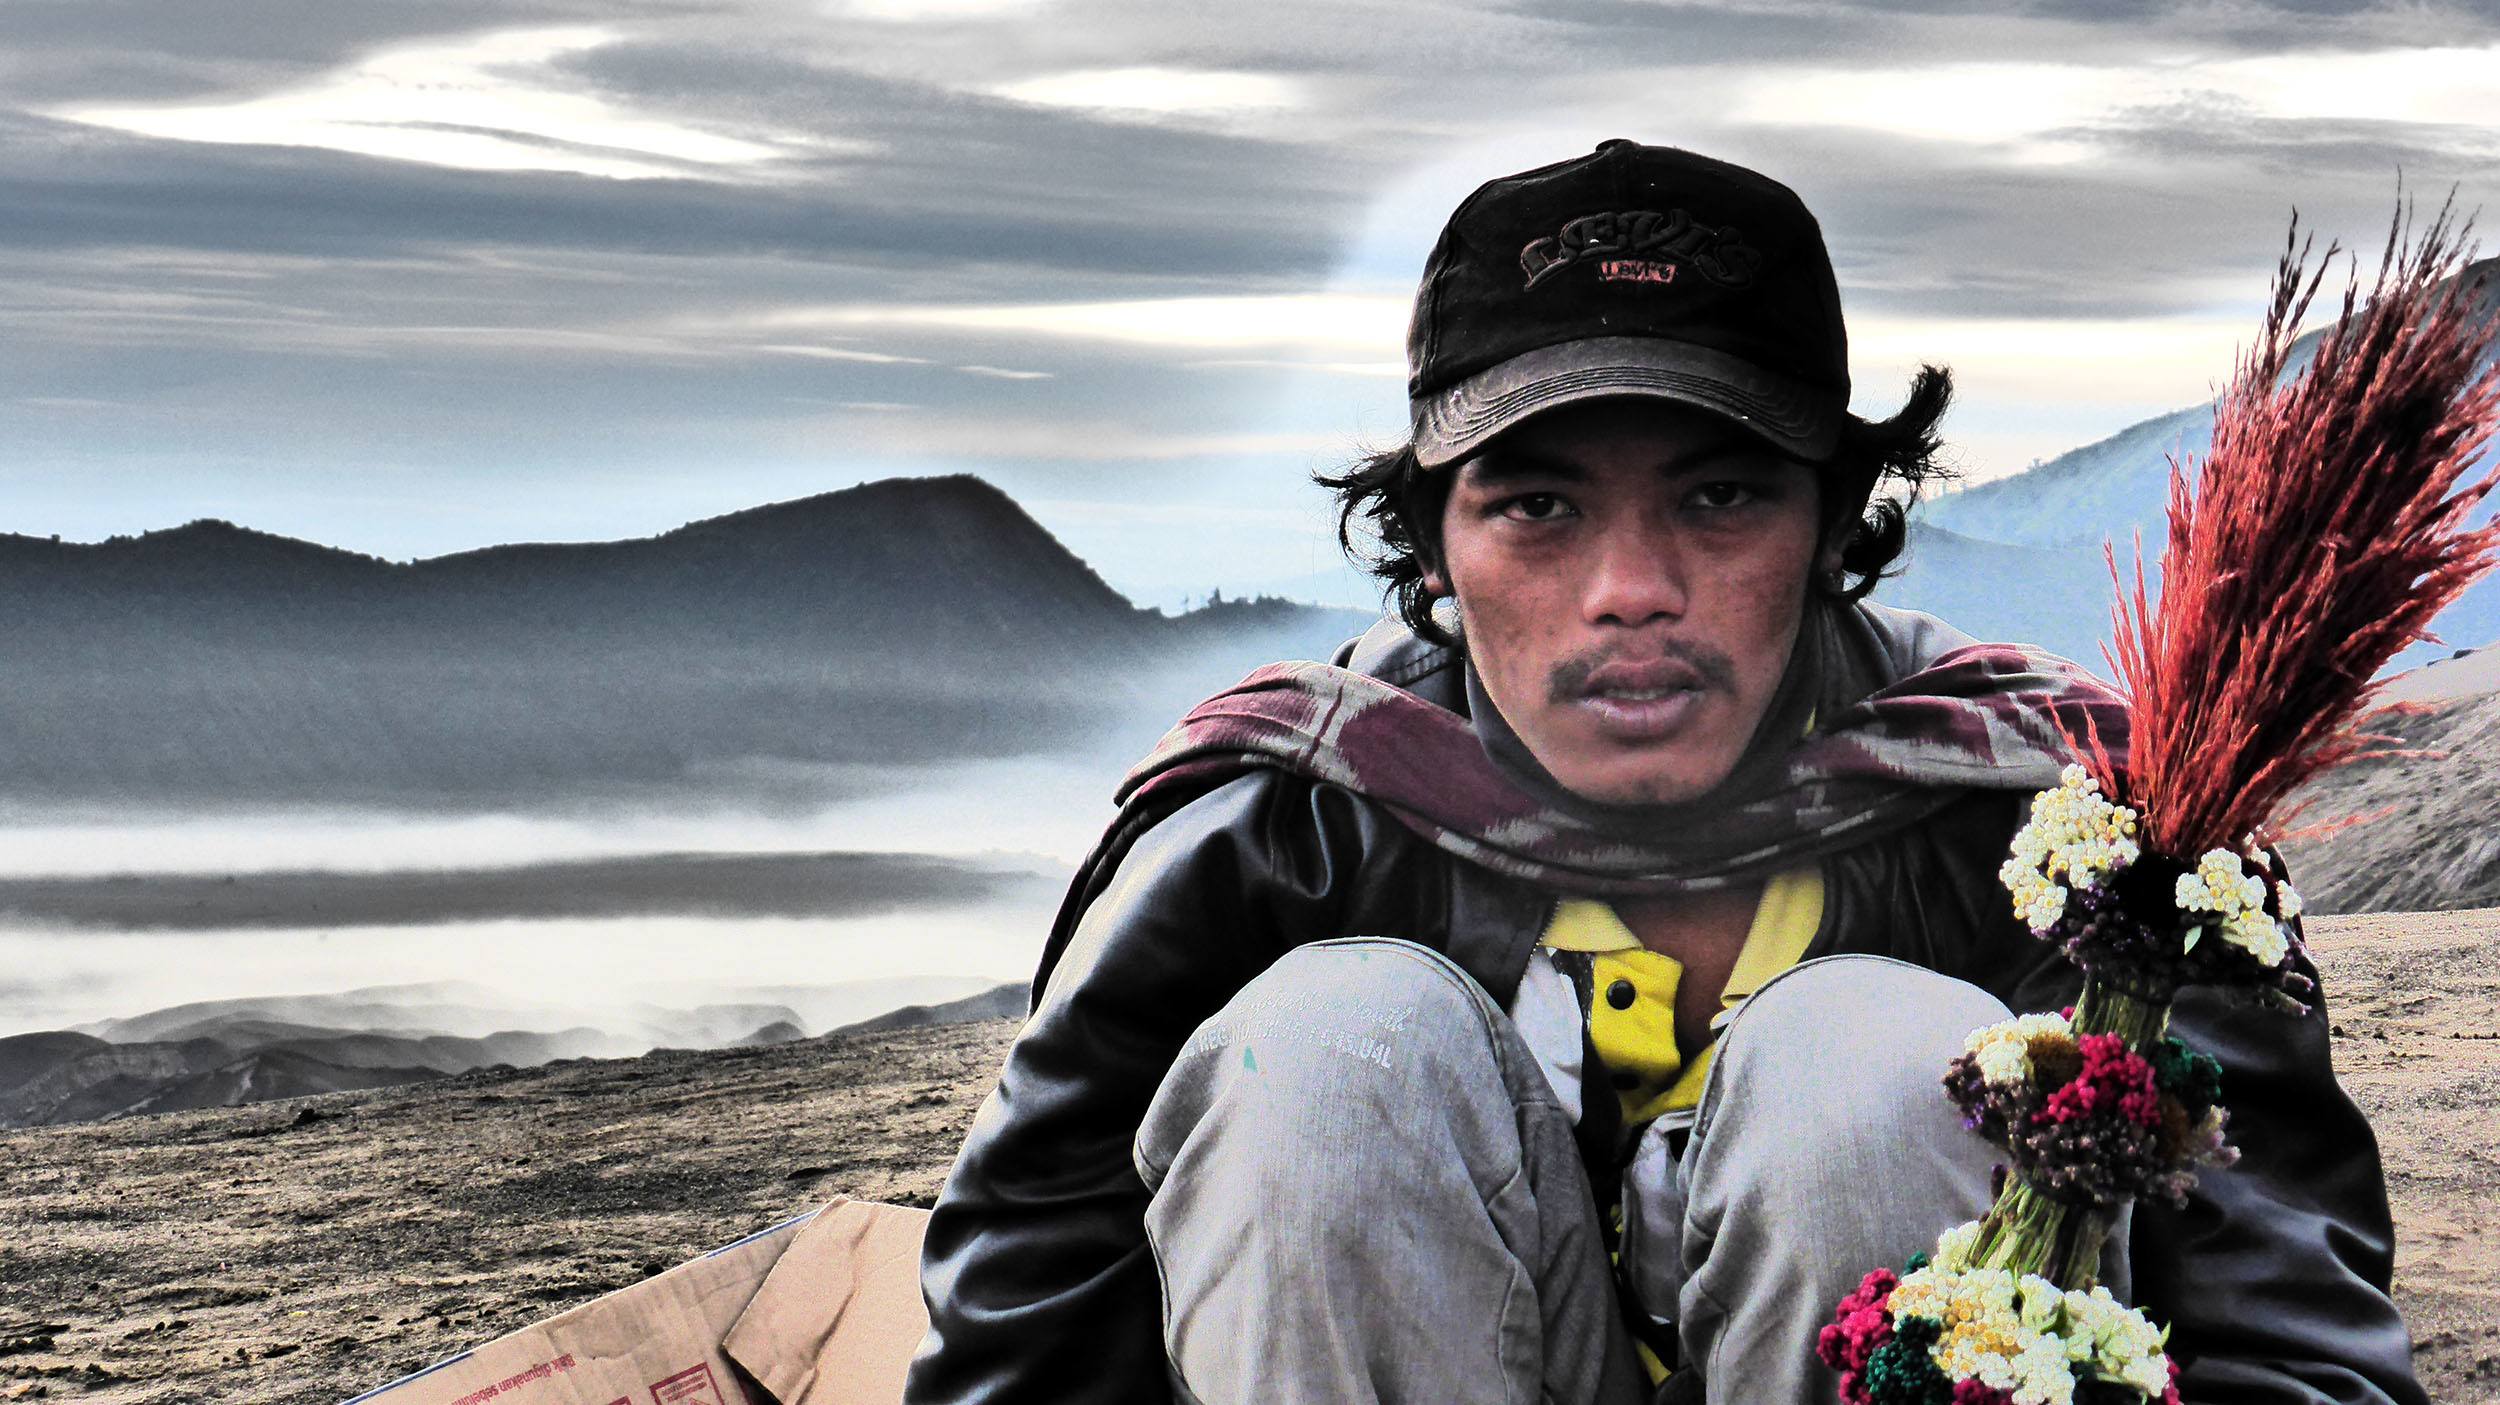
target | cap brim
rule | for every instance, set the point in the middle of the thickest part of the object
(1799, 420)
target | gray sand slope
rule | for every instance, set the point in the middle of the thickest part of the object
(298, 1252)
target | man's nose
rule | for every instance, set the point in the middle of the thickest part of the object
(1637, 574)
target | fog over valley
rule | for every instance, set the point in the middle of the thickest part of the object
(948, 869)
(747, 781)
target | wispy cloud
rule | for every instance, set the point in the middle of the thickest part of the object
(2130, 361)
(1156, 91)
(1070, 440)
(932, 11)
(845, 353)
(1395, 370)
(1355, 321)
(483, 102)
(2046, 112)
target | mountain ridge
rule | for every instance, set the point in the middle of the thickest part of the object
(2085, 495)
(781, 654)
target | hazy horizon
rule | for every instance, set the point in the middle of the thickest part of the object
(1035, 815)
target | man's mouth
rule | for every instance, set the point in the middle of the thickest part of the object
(1641, 702)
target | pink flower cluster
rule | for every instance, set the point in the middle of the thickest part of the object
(2113, 1077)
(2087, 1120)
(1861, 1326)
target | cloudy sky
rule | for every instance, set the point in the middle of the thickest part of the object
(426, 275)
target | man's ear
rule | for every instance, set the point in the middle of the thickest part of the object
(1436, 577)
(1835, 543)
(1837, 535)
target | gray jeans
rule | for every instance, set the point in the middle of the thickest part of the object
(1364, 1189)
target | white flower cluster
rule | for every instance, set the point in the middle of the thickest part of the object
(1953, 1247)
(2117, 1340)
(2004, 1048)
(2223, 886)
(2026, 1335)
(2076, 838)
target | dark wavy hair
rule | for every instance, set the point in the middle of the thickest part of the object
(1391, 500)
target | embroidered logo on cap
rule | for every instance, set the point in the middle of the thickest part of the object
(1636, 271)
(1633, 244)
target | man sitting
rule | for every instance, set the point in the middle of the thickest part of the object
(1547, 1000)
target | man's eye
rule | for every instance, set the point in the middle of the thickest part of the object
(1723, 495)
(1536, 507)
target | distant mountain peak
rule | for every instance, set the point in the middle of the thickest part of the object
(206, 541)
(217, 531)
(962, 490)
(961, 499)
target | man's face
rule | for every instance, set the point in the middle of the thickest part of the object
(1630, 576)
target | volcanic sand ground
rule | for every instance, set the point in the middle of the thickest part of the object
(303, 1251)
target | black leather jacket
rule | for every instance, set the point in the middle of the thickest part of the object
(1039, 1282)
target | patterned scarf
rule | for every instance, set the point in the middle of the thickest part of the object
(1982, 716)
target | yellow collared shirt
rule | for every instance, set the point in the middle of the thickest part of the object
(1631, 1009)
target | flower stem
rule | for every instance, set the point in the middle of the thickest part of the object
(2021, 1232)
(2028, 1232)
(2104, 1009)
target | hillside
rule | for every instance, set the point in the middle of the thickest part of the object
(329, 1245)
(798, 648)
(2063, 510)
(229, 1053)
(2053, 597)
(2100, 492)
(999, 1002)
(2103, 491)
(2425, 837)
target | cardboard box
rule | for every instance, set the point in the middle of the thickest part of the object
(823, 1309)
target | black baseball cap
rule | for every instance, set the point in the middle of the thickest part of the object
(1634, 270)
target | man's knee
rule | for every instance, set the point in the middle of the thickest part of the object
(1342, 1057)
(1825, 1147)
(1850, 1048)
(1344, 1162)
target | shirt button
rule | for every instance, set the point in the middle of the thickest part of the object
(1621, 995)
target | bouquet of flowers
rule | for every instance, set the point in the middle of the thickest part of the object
(2327, 526)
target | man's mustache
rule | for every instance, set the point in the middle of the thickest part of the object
(1570, 678)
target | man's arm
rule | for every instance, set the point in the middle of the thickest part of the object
(1036, 1269)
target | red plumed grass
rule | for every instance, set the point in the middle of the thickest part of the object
(2327, 526)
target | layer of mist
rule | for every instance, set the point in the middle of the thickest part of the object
(649, 885)
(556, 973)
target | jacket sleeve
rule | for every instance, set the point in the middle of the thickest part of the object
(2275, 1276)
(1039, 1282)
